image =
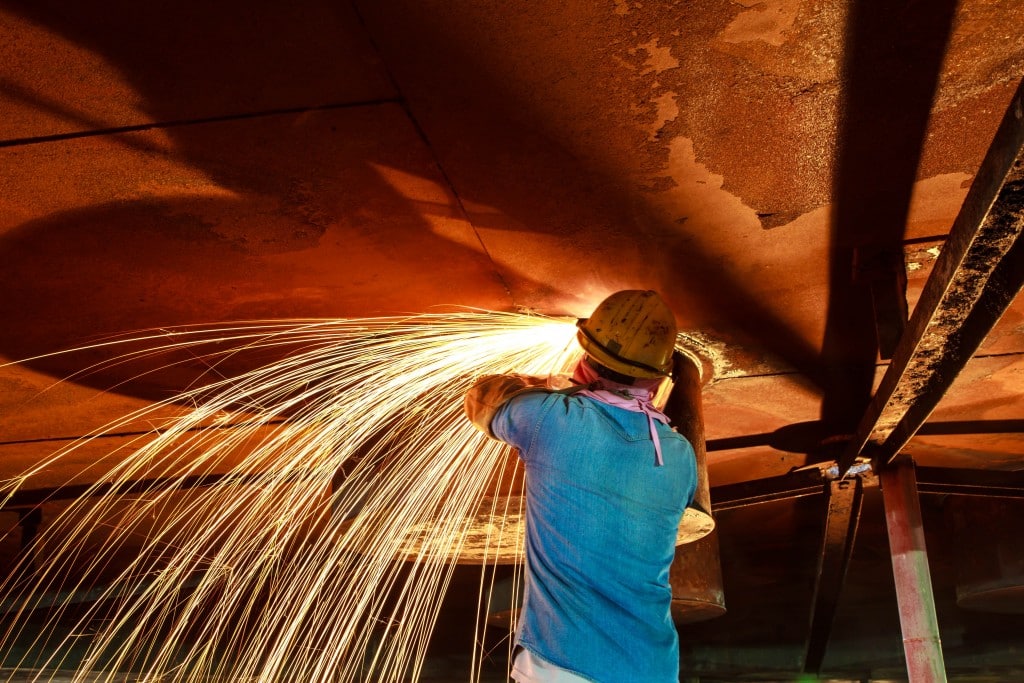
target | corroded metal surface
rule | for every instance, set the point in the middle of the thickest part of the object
(990, 566)
(976, 277)
(685, 409)
(696, 579)
(166, 163)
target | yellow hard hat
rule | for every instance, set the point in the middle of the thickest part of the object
(632, 332)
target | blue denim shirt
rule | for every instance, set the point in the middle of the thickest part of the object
(601, 524)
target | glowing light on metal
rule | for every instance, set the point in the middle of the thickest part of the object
(252, 576)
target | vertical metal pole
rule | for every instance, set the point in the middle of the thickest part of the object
(696, 573)
(914, 594)
(685, 409)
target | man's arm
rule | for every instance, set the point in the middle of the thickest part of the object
(491, 392)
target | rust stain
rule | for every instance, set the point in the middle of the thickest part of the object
(769, 22)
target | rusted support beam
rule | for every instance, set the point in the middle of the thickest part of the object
(977, 275)
(918, 621)
(884, 271)
(963, 482)
(842, 516)
(793, 485)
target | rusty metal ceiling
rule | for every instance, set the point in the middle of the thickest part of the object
(828, 193)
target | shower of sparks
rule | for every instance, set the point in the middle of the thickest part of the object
(298, 521)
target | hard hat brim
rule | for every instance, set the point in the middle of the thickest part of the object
(615, 362)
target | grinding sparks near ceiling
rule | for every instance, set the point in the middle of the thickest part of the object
(214, 546)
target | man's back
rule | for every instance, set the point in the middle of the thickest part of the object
(602, 518)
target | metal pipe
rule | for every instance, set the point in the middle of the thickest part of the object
(696, 579)
(696, 573)
(918, 621)
(685, 409)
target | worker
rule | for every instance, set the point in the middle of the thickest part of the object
(607, 482)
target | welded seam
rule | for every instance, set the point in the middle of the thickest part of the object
(404, 103)
(178, 123)
(458, 200)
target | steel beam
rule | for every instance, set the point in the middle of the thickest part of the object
(884, 270)
(976, 277)
(841, 519)
(793, 485)
(918, 620)
(964, 482)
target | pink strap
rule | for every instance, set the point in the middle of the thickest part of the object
(635, 398)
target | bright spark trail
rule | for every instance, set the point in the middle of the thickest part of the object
(213, 548)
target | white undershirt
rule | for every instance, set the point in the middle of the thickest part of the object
(529, 668)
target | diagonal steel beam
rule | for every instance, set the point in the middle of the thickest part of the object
(976, 277)
(841, 519)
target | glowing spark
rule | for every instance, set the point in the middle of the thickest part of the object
(233, 564)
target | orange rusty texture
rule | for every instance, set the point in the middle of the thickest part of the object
(172, 163)
(71, 68)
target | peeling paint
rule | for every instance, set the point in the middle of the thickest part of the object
(920, 257)
(667, 110)
(700, 191)
(933, 201)
(769, 22)
(659, 58)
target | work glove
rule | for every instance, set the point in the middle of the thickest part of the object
(491, 392)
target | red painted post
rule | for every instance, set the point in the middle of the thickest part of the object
(918, 621)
